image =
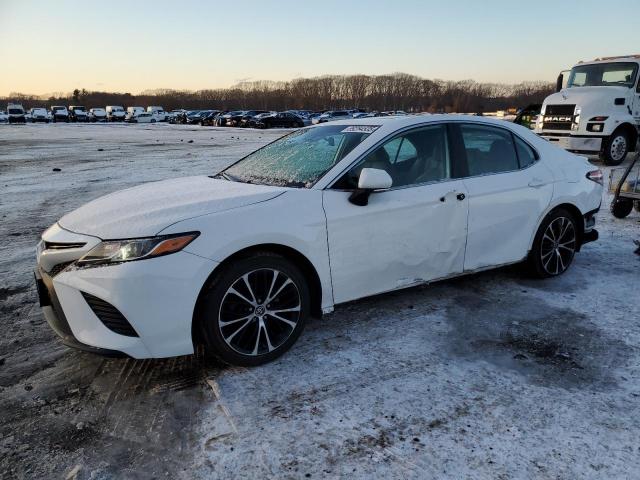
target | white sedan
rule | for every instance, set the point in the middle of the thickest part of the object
(325, 215)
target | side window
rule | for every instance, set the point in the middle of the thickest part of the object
(526, 155)
(489, 150)
(417, 157)
(407, 151)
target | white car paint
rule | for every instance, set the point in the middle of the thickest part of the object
(404, 236)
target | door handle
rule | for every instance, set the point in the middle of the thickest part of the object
(536, 183)
(459, 196)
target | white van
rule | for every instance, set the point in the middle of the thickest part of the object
(158, 112)
(133, 112)
(115, 113)
(16, 113)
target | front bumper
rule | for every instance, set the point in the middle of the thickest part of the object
(156, 297)
(55, 317)
(574, 143)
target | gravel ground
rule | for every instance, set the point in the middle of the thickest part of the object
(488, 376)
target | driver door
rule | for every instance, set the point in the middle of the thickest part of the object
(410, 234)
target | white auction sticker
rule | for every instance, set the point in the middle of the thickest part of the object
(361, 129)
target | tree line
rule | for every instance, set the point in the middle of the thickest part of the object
(398, 91)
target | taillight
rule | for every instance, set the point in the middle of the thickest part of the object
(596, 176)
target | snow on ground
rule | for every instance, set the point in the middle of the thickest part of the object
(489, 376)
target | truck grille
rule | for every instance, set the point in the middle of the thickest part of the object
(558, 117)
(110, 316)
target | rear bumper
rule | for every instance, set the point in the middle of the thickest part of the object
(573, 143)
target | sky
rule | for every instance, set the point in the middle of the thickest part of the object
(51, 46)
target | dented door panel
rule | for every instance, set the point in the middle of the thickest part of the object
(403, 237)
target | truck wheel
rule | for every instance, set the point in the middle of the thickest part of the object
(636, 205)
(622, 207)
(615, 149)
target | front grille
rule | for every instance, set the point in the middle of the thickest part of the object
(558, 117)
(58, 268)
(109, 316)
(62, 245)
(547, 125)
(559, 109)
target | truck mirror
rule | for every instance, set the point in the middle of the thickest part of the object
(559, 82)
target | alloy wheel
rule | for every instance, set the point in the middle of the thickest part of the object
(259, 312)
(558, 246)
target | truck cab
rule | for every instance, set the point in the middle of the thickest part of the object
(596, 110)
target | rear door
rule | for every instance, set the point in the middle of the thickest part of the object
(508, 190)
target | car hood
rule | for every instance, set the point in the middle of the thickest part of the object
(147, 209)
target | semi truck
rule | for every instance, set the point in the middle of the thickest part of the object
(596, 109)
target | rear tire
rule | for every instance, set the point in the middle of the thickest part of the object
(554, 245)
(636, 205)
(615, 149)
(621, 207)
(254, 310)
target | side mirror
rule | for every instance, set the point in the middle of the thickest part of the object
(374, 179)
(559, 82)
(370, 180)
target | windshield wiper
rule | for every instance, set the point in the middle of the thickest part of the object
(228, 177)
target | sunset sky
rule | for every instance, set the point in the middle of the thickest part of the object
(131, 46)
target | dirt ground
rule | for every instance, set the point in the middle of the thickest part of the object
(490, 376)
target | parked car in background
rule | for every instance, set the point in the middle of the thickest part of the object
(39, 114)
(77, 113)
(59, 113)
(233, 118)
(280, 120)
(153, 270)
(160, 114)
(228, 119)
(133, 112)
(145, 117)
(97, 114)
(115, 113)
(332, 116)
(193, 117)
(246, 117)
(209, 118)
(16, 113)
(4, 117)
(252, 121)
(173, 114)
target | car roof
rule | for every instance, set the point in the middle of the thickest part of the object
(391, 124)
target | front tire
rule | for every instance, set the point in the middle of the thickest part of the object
(615, 149)
(554, 245)
(254, 310)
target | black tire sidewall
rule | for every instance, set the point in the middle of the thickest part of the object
(534, 260)
(214, 293)
(621, 207)
(608, 160)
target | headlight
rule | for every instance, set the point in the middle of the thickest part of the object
(117, 251)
